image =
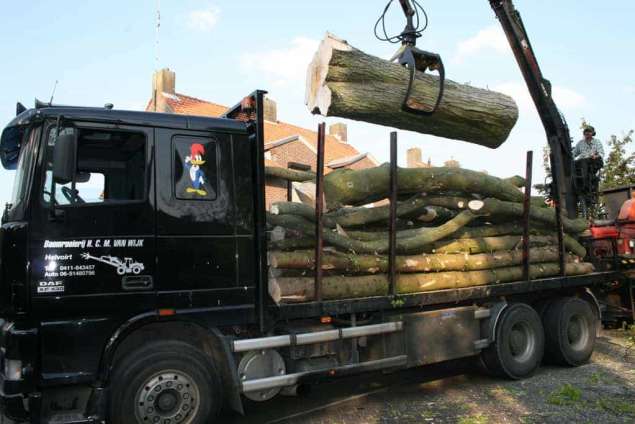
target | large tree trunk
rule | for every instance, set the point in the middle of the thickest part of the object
(346, 287)
(346, 82)
(371, 264)
(356, 187)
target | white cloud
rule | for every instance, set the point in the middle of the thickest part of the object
(491, 38)
(518, 91)
(282, 65)
(567, 98)
(203, 20)
(564, 97)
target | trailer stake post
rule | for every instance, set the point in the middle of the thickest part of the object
(319, 206)
(557, 201)
(526, 207)
(392, 230)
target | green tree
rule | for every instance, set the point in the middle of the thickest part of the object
(543, 188)
(619, 165)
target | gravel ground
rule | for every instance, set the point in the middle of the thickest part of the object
(603, 391)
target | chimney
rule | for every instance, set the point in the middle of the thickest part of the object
(413, 158)
(452, 163)
(271, 110)
(339, 131)
(163, 81)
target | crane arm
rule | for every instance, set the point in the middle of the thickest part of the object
(556, 128)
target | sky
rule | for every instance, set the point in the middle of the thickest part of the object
(105, 52)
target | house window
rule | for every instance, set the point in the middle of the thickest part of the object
(195, 168)
(110, 168)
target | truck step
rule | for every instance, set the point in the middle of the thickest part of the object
(69, 418)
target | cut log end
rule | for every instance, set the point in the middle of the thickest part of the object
(317, 94)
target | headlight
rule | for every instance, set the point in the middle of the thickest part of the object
(12, 369)
(631, 243)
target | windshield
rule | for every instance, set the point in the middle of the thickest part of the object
(22, 171)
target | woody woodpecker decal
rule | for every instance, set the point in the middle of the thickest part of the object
(193, 162)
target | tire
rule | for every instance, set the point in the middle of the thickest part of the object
(569, 331)
(165, 379)
(519, 346)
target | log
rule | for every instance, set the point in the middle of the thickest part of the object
(292, 244)
(347, 287)
(499, 209)
(472, 239)
(516, 180)
(489, 244)
(372, 264)
(358, 187)
(289, 174)
(424, 237)
(346, 82)
(516, 228)
(350, 217)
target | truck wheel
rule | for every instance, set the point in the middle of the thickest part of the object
(519, 345)
(167, 381)
(569, 331)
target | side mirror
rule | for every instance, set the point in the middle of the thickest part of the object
(65, 156)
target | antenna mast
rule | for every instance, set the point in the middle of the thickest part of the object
(53, 92)
(156, 41)
(156, 48)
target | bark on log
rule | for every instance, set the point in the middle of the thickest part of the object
(346, 82)
(516, 180)
(372, 264)
(473, 240)
(292, 244)
(489, 244)
(357, 187)
(350, 217)
(495, 208)
(516, 228)
(347, 287)
(289, 174)
(425, 236)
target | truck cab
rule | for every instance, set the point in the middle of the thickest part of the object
(115, 216)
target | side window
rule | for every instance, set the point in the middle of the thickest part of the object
(195, 168)
(110, 168)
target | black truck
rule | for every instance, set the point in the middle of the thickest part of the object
(133, 280)
(129, 297)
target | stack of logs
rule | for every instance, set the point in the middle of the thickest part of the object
(455, 228)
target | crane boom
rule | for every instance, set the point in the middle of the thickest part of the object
(556, 128)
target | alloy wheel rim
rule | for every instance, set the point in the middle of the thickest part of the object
(577, 332)
(522, 341)
(168, 397)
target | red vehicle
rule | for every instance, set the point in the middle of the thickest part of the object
(612, 246)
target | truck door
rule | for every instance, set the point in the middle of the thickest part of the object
(197, 247)
(92, 240)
